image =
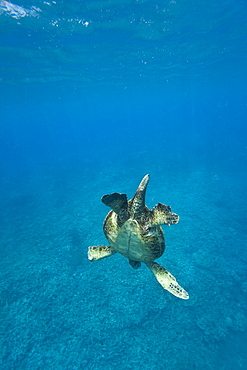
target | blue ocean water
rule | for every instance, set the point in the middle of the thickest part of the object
(93, 96)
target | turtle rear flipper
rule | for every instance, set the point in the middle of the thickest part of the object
(99, 252)
(167, 280)
(162, 215)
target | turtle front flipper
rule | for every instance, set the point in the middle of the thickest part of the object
(99, 252)
(162, 215)
(137, 203)
(167, 280)
(117, 202)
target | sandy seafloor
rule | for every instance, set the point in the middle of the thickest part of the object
(60, 311)
(93, 96)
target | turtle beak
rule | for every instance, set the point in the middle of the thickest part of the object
(172, 219)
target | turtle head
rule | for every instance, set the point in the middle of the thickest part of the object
(162, 215)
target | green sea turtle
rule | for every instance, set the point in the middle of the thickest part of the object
(134, 231)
